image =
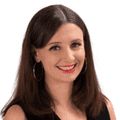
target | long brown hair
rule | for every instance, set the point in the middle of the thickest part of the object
(30, 91)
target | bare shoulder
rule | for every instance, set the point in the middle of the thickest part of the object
(110, 109)
(15, 112)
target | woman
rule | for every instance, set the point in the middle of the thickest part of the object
(56, 77)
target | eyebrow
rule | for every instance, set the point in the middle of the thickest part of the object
(54, 43)
(75, 40)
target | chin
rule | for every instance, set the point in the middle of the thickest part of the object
(69, 78)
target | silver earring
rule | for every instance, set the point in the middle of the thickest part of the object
(84, 69)
(38, 71)
(34, 70)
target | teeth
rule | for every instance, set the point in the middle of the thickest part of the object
(67, 68)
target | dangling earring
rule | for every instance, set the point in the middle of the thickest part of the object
(84, 66)
(38, 71)
(34, 70)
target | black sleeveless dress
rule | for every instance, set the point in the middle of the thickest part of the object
(104, 115)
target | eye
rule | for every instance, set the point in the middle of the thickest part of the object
(55, 48)
(75, 45)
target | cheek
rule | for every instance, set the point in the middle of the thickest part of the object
(81, 55)
(48, 62)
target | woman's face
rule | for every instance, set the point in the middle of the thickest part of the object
(63, 57)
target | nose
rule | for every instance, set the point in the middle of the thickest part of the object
(68, 55)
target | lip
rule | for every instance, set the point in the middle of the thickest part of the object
(67, 70)
(67, 65)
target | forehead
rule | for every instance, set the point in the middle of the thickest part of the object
(68, 31)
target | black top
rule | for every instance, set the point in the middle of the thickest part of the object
(104, 115)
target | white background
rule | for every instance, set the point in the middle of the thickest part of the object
(103, 21)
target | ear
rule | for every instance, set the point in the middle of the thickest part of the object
(37, 55)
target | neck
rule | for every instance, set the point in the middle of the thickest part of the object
(60, 92)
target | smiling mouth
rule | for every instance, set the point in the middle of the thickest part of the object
(67, 68)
